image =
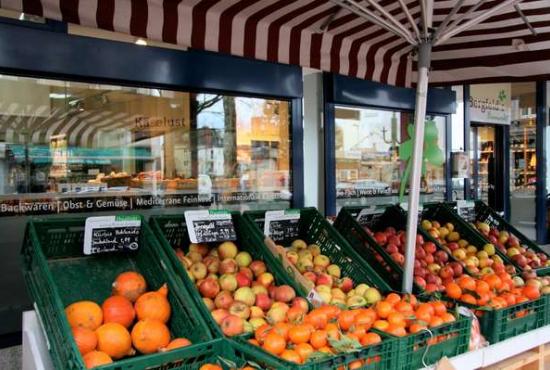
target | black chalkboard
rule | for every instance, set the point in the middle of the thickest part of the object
(208, 231)
(369, 219)
(466, 211)
(284, 229)
(115, 239)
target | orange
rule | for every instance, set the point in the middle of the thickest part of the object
(274, 343)
(467, 283)
(423, 313)
(318, 318)
(370, 338)
(493, 280)
(210, 367)
(482, 287)
(330, 311)
(363, 319)
(318, 339)
(509, 298)
(282, 328)
(468, 298)
(357, 364)
(354, 335)
(291, 355)
(254, 342)
(403, 307)
(360, 330)
(410, 298)
(299, 334)
(393, 298)
(436, 321)
(439, 308)
(371, 312)
(381, 325)
(304, 350)
(531, 292)
(346, 319)
(397, 319)
(326, 350)
(332, 331)
(295, 314)
(383, 309)
(483, 299)
(447, 317)
(503, 287)
(453, 290)
(261, 332)
(398, 331)
(521, 299)
(428, 307)
(415, 328)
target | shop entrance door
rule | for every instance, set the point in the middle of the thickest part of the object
(487, 154)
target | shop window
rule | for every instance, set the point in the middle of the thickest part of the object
(373, 156)
(77, 147)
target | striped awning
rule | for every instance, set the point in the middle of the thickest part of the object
(511, 44)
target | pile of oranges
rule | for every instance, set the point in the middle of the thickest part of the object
(492, 290)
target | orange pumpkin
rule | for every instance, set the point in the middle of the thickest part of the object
(130, 284)
(96, 358)
(149, 336)
(84, 314)
(86, 339)
(154, 305)
(115, 340)
(177, 343)
(118, 309)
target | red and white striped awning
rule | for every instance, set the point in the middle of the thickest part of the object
(501, 48)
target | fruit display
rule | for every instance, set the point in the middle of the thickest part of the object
(240, 293)
(330, 284)
(131, 321)
(521, 254)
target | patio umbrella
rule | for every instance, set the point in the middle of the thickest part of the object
(396, 42)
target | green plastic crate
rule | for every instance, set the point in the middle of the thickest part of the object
(380, 356)
(486, 214)
(442, 213)
(315, 229)
(346, 223)
(58, 274)
(426, 348)
(171, 231)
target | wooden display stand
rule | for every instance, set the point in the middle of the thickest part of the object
(531, 360)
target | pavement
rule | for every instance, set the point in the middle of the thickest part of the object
(10, 358)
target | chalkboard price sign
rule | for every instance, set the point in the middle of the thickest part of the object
(282, 225)
(210, 226)
(369, 216)
(111, 234)
(466, 210)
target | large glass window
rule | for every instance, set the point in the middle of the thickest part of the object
(373, 156)
(69, 147)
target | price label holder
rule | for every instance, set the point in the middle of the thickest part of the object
(405, 207)
(466, 210)
(369, 216)
(207, 226)
(105, 234)
(305, 285)
(282, 225)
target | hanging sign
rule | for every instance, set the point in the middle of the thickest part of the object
(466, 210)
(369, 216)
(282, 225)
(491, 103)
(111, 234)
(405, 207)
(207, 226)
(461, 165)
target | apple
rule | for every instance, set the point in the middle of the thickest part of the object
(520, 260)
(459, 254)
(453, 236)
(510, 269)
(472, 261)
(356, 301)
(246, 295)
(443, 232)
(284, 293)
(185, 261)
(224, 299)
(256, 322)
(298, 244)
(372, 295)
(212, 264)
(487, 271)
(334, 271)
(247, 272)
(394, 239)
(228, 266)
(227, 250)
(266, 279)
(271, 291)
(209, 303)
(482, 254)
(243, 259)
(325, 279)
(318, 270)
(257, 267)
(314, 249)
(446, 272)
(434, 268)
(337, 293)
(426, 225)
(482, 226)
(346, 284)
(420, 253)
(497, 258)
(392, 248)
(300, 303)
(243, 280)
(198, 269)
(321, 260)
(429, 247)
(191, 276)
(232, 325)
(304, 264)
(536, 283)
(229, 282)
(380, 238)
(292, 257)
(434, 233)
(485, 262)
(441, 256)
(277, 312)
(399, 258)
(457, 268)
(194, 256)
(256, 312)
(304, 253)
(420, 282)
(419, 271)
(311, 276)
(512, 252)
(219, 314)
(263, 301)
(214, 252)
(209, 288)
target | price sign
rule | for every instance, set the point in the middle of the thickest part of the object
(210, 226)
(405, 207)
(369, 216)
(282, 225)
(466, 210)
(111, 234)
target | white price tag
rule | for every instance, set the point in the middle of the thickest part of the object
(210, 226)
(281, 225)
(466, 209)
(111, 234)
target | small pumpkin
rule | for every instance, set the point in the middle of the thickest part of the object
(154, 305)
(130, 284)
(150, 336)
(84, 314)
(177, 343)
(115, 340)
(86, 339)
(118, 309)
(96, 358)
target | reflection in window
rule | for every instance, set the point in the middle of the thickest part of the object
(152, 148)
(373, 152)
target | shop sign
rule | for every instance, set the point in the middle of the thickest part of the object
(207, 226)
(282, 225)
(151, 123)
(491, 103)
(111, 234)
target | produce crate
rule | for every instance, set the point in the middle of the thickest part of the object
(171, 231)
(315, 229)
(489, 216)
(58, 273)
(380, 356)
(442, 213)
(370, 250)
(425, 348)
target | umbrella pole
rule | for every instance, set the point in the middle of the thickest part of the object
(424, 56)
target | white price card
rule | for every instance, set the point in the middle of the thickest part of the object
(111, 234)
(282, 225)
(207, 226)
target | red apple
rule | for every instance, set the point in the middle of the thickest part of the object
(311, 276)
(263, 301)
(419, 272)
(242, 280)
(392, 248)
(420, 281)
(399, 258)
(228, 266)
(453, 246)
(345, 284)
(325, 279)
(219, 314)
(429, 247)
(209, 288)
(266, 279)
(380, 238)
(300, 303)
(446, 272)
(394, 240)
(284, 293)
(457, 269)
(247, 272)
(257, 267)
(232, 325)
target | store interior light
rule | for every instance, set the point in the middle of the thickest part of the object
(141, 42)
(59, 96)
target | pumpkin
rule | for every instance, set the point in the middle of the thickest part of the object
(130, 284)
(84, 314)
(154, 305)
(86, 339)
(115, 340)
(96, 358)
(177, 343)
(150, 336)
(118, 309)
